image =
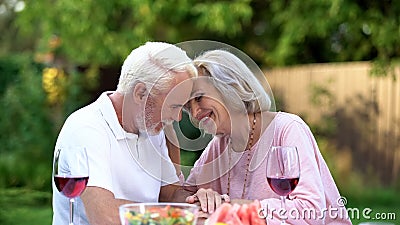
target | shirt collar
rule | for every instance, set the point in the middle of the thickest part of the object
(110, 116)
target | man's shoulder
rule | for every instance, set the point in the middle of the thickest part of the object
(86, 113)
(92, 111)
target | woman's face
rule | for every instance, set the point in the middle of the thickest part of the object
(207, 107)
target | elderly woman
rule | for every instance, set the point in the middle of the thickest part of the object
(229, 102)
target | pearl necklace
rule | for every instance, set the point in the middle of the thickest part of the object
(251, 136)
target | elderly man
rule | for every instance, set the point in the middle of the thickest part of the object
(122, 132)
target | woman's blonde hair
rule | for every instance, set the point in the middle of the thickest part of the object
(233, 78)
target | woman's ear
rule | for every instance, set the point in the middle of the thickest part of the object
(139, 92)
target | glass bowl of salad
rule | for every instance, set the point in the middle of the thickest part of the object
(158, 214)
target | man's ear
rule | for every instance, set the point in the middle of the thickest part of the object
(139, 92)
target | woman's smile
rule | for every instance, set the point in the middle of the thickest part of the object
(204, 113)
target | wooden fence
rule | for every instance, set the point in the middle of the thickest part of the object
(358, 112)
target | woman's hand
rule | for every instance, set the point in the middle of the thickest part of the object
(208, 199)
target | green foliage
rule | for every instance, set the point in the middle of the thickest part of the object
(327, 31)
(273, 33)
(227, 18)
(24, 206)
(27, 130)
(9, 70)
(29, 124)
(104, 32)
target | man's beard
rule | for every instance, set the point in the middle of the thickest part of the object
(145, 125)
(145, 120)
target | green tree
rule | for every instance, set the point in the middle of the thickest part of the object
(104, 32)
(295, 32)
(30, 120)
(274, 33)
(26, 128)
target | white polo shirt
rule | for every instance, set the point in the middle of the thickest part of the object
(132, 167)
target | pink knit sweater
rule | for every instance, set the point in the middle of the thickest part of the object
(316, 199)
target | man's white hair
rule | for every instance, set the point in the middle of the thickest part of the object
(154, 64)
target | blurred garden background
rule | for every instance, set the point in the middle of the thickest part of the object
(58, 55)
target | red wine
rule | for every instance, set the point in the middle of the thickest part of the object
(282, 186)
(71, 186)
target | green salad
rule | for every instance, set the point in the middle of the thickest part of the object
(167, 215)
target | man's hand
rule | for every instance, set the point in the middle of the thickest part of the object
(208, 199)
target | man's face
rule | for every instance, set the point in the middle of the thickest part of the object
(164, 108)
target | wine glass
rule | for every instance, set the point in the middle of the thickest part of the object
(71, 174)
(283, 171)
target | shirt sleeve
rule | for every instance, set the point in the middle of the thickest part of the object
(203, 171)
(97, 147)
(308, 196)
(168, 172)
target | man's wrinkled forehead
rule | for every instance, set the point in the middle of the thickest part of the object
(179, 94)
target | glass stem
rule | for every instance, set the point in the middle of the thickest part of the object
(283, 207)
(71, 211)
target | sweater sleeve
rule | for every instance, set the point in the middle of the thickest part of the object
(196, 172)
(306, 203)
(207, 169)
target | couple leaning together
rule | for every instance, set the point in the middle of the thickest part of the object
(124, 133)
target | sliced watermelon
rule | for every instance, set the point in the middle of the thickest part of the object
(246, 214)
(232, 216)
(220, 214)
(254, 216)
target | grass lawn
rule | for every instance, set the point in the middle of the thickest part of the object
(21, 206)
(374, 205)
(38, 215)
(381, 214)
